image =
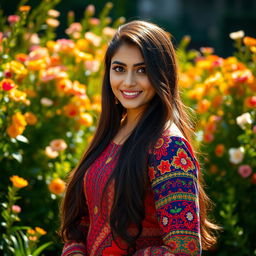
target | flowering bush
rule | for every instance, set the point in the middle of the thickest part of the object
(15, 241)
(49, 104)
(222, 91)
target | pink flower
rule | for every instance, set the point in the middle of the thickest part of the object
(58, 145)
(74, 27)
(16, 208)
(50, 152)
(254, 129)
(245, 170)
(13, 19)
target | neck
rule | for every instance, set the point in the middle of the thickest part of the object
(131, 119)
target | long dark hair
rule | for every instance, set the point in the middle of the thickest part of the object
(131, 169)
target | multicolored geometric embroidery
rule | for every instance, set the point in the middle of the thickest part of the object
(182, 161)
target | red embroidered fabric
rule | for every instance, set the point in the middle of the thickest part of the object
(171, 225)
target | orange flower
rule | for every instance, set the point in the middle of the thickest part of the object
(217, 101)
(249, 41)
(210, 127)
(7, 84)
(71, 110)
(219, 150)
(21, 57)
(64, 85)
(208, 137)
(18, 119)
(213, 169)
(30, 118)
(25, 8)
(31, 231)
(13, 130)
(18, 182)
(57, 186)
(203, 106)
(40, 231)
(250, 102)
(86, 119)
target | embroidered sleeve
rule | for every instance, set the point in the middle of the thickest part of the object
(173, 174)
(72, 247)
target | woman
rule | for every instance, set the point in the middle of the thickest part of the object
(136, 190)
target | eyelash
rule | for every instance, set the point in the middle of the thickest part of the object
(122, 68)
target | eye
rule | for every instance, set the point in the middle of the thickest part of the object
(142, 70)
(118, 69)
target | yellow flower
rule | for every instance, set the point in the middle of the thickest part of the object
(51, 45)
(18, 119)
(57, 186)
(40, 231)
(18, 95)
(18, 182)
(36, 64)
(82, 56)
(86, 119)
(96, 107)
(82, 44)
(16, 68)
(30, 118)
(77, 88)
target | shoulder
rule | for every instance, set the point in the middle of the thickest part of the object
(172, 154)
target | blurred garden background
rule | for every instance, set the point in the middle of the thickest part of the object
(51, 55)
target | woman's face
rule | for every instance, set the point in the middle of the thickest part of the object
(129, 80)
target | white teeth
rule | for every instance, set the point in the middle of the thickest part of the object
(131, 93)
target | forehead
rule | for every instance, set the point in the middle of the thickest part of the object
(128, 53)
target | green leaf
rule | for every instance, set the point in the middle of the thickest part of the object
(41, 248)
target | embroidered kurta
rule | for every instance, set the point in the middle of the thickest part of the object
(171, 225)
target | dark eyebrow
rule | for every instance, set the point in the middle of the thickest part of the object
(123, 64)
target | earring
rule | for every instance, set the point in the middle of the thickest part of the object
(116, 100)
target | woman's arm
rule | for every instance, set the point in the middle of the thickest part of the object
(173, 175)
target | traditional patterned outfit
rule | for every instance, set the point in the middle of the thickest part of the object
(171, 225)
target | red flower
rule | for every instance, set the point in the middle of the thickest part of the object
(192, 246)
(164, 166)
(182, 161)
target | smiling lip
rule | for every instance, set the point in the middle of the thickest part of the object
(131, 94)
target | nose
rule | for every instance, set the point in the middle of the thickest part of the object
(130, 79)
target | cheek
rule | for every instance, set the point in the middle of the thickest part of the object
(114, 81)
